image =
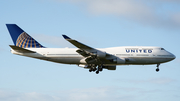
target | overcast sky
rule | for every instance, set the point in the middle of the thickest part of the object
(99, 24)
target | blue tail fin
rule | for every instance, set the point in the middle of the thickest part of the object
(21, 38)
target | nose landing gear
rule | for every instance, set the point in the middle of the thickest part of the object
(157, 69)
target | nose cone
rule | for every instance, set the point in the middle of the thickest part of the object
(169, 56)
(173, 56)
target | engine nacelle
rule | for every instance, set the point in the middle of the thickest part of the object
(101, 54)
(84, 66)
(110, 67)
(119, 60)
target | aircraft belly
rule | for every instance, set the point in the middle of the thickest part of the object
(150, 60)
(76, 60)
(67, 60)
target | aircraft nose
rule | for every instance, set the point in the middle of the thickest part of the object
(174, 57)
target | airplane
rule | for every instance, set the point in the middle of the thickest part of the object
(94, 59)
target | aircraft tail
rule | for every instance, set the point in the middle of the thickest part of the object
(21, 38)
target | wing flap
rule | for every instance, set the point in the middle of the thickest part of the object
(21, 50)
(82, 52)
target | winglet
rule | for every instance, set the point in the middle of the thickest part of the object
(76, 43)
(66, 37)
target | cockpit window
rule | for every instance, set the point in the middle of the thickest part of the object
(162, 49)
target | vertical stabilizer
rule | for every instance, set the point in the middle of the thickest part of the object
(21, 38)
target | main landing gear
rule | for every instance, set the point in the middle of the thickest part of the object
(157, 69)
(100, 68)
(93, 68)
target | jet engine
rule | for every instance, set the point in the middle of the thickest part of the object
(110, 67)
(100, 54)
(119, 60)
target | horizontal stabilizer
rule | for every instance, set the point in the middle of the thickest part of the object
(21, 50)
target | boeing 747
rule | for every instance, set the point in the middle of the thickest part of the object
(94, 59)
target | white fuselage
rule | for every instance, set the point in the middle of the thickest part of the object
(134, 55)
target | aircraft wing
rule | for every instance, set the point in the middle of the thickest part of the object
(87, 51)
(77, 44)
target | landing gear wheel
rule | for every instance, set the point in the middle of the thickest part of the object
(157, 70)
(97, 72)
(100, 69)
(90, 70)
(94, 69)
